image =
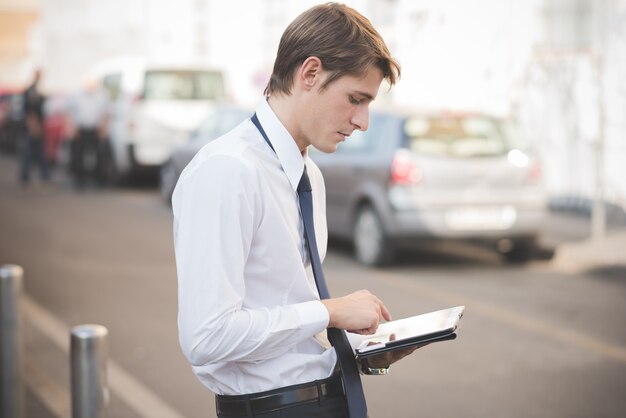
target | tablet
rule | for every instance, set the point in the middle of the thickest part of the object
(421, 329)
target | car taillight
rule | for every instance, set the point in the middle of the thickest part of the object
(535, 173)
(404, 171)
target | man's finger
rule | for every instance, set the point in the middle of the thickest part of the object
(385, 312)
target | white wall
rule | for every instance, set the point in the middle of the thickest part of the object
(559, 105)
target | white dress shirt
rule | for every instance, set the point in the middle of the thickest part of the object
(88, 108)
(249, 312)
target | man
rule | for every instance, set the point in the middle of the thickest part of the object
(250, 316)
(89, 115)
(32, 144)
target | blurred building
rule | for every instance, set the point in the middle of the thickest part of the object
(68, 37)
(573, 96)
(454, 54)
(556, 65)
(18, 37)
(463, 54)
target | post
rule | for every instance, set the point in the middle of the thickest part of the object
(598, 212)
(88, 352)
(11, 388)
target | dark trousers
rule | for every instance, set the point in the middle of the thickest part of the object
(32, 153)
(89, 157)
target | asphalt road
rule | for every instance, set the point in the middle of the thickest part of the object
(534, 342)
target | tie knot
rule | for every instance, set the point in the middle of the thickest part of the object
(305, 184)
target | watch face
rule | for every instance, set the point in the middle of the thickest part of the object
(376, 370)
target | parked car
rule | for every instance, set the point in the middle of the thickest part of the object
(155, 105)
(417, 176)
(222, 119)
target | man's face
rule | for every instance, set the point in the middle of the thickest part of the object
(333, 113)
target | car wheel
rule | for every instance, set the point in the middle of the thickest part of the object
(113, 174)
(522, 251)
(371, 245)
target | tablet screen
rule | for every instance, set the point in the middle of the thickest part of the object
(442, 321)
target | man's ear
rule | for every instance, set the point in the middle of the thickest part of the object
(310, 73)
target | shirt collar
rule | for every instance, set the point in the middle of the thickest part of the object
(285, 146)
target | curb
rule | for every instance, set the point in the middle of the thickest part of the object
(592, 254)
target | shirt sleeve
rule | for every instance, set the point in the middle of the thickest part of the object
(215, 215)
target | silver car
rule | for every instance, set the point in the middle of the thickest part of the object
(222, 119)
(414, 176)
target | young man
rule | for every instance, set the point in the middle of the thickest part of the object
(248, 248)
(89, 113)
(32, 145)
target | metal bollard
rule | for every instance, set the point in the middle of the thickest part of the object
(11, 388)
(90, 393)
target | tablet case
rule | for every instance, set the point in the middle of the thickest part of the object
(376, 349)
(425, 339)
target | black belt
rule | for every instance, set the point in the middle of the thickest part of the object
(277, 399)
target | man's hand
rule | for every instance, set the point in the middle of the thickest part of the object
(384, 360)
(359, 312)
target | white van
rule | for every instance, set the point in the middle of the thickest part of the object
(154, 107)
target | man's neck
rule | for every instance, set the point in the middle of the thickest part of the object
(285, 108)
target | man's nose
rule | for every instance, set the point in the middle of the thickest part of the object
(361, 118)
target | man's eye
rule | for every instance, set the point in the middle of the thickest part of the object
(354, 100)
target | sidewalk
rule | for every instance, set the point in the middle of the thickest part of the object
(46, 370)
(34, 408)
(593, 254)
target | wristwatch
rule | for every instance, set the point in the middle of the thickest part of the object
(379, 371)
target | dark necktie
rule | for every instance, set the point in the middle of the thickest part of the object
(355, 397)
(349, 371)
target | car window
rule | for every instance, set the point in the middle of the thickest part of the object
(183, 85)
(463, 137)
(218, 123)
(111, 83)
(516, 137)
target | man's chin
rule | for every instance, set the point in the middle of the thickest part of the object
(327, 149)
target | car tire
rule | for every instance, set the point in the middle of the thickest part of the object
(523, 251)
(114, 176)
(371, 245)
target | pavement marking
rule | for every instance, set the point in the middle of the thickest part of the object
(134, 394)
(507, 317)
(54, 396)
